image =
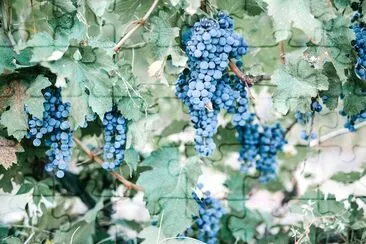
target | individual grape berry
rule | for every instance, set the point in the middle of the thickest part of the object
(316, 106)
(115, 130)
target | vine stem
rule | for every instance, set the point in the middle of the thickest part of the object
(290, 127)
(7, 17)
(333, 134)
(249, 80)
(136, 27)
(282, 52)
(97, 159)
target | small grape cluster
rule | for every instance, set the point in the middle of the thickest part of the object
(208, 221)
(205, 86)
(353, 119)
(303, 118)
(306, 136)
(315, 106)
(260, 145)
(54, 129)
(115, 129)
(359, 44)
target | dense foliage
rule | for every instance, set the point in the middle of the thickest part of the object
(112, 111)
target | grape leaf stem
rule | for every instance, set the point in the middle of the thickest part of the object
(138, 23)
(97, 159)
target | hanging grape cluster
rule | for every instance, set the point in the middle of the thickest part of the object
(207, 223)
(53, 131)
(259, 143)
(204, 86)
(115, 129)
(359, 45)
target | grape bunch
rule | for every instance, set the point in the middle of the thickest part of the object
(359, 45)
(208, 220)
(306, 136)
(115, 129)
(315, 106)
(303, 118)
(53, 130)
(271, 141)
(353, 119)
(259, 146)
(205, 86)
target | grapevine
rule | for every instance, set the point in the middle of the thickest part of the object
(182, 121)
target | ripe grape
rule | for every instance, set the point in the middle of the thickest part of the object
(359, 45)
(54, 130)
(207, 223)
(115, 129)
(353, 119)
(205, 87)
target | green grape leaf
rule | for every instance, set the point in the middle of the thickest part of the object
(7, 55)
(132, 159)
(354, 98)
(297, 83)
(65, 5)
(347, 177)
(342, 3)
(127, 9)
(170, 197)
(151, 234)
(236, 192)
(42, 189)
(335, 86)
(238, 8)
(131, 108)
(88, 72)
(161, 37)
(322, 10)
(10, 176)
(44, 47)
(98, 6)
(15, 119)
(81, 232)
(244, 228)
(338, 43)
(293, 13)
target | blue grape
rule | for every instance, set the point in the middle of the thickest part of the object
(207, 222)
(352, 120)
(316, 106)
(205, 87)
(359, 44)
(271, 141)
(115, 129)
(303, 118)
(54, 130)
(259, 143)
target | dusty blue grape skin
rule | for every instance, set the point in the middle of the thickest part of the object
(53, 130)
(115, 134)
(207, 222)
(204, 87)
